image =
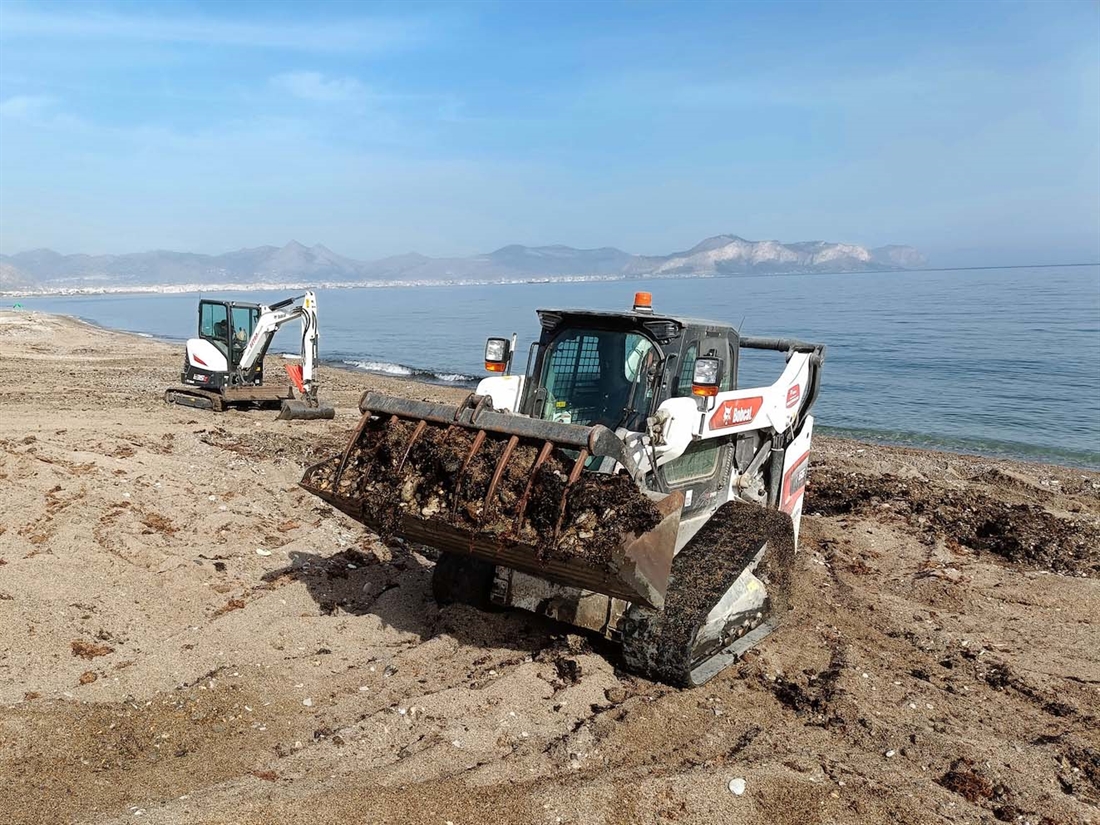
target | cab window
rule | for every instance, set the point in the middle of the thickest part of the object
(598, 377)
(682, 387)
(214, 321)
(699, 461)
(244, 322)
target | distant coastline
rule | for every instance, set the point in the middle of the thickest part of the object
(277, 286)
(43, 271)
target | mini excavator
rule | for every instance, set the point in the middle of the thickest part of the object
(224, 366)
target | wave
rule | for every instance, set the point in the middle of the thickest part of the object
(458, 379)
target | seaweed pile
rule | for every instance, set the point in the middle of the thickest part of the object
(440, 476)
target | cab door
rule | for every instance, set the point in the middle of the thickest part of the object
(243, 319)
(214, 325)
(699, 472)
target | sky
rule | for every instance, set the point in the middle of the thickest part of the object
(969, 130)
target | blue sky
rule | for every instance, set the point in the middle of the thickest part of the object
(970, 130)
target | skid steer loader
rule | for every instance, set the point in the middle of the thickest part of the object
(623, 483)
(224, 366)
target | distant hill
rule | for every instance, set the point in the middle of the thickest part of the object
(295, 263)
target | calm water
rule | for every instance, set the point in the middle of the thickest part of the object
(998, 362)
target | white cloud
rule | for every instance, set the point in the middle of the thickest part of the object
(315, 86)
(26, 107)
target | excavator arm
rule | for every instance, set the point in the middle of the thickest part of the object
(272, 319)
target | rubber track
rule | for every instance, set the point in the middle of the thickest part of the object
(197, 399)
(659, 645)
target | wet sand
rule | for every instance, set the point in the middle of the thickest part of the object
(188, 637)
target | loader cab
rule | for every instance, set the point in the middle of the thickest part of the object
(616, 369)
(228, 325)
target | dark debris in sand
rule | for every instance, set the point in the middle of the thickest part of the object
(437, 479)
(1026, 534)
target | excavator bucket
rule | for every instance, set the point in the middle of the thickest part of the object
(295, 410)
(508, 489)
(303, 410)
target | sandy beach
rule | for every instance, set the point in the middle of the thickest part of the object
(186, 636)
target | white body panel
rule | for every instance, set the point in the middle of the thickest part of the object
(505, 390)
(795, 470)
(756, 408)
(206, 356)
(775, 409)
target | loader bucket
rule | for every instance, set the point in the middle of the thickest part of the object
(507, 489)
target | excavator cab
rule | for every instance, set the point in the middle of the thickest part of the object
(229, 325)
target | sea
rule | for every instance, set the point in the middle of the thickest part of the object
(998, 362)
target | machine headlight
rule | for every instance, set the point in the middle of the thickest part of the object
(496, 354)
(706, 377)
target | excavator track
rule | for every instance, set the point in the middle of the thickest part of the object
(219, 401)
(199, 399)
(716, 607)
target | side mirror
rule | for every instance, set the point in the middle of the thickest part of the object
(705, 380)
(498, 352)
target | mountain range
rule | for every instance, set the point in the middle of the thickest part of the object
(46, 270)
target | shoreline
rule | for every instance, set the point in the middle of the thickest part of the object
(419, 375)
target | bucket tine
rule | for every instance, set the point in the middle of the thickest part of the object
(544, 454)
(574, 474)
(479, 439)
(351, 446)
(578, 468)
(498, 472)
(420, 427)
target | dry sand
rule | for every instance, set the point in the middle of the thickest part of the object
(187, 637)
